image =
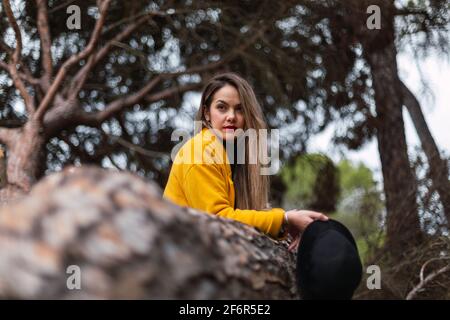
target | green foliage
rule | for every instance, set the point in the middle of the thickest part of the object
(348, 192)
(355, 177)
(313, 182)
(361, 207)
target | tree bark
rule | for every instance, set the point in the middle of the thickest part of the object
(438, 166)
(19, 161)
(23, 156)
(403, 227)
(130, 243)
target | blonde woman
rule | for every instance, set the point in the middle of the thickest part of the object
(202, 176)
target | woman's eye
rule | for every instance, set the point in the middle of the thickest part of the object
(238, 109)
(220, 107)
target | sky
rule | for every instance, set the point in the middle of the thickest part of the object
(435, 104)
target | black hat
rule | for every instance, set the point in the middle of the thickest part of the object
(328, 263)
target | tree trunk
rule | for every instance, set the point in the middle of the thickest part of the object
(403, 227)
(438, 166)
(130, 243)
(21, 163)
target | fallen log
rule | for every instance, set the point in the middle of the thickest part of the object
(129, 243)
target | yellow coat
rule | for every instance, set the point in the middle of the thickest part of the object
(200, 178)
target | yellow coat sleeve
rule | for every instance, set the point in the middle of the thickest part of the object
(206, 189)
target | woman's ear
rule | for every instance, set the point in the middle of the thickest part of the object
(206, 113)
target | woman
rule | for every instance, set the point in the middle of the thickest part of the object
(203, 178)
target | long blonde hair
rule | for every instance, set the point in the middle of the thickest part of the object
(251, 188)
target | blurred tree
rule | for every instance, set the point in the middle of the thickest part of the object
(347, 192)
(432, 215)
(354, 177)
(312, 182)
(359, 84)
(361, 207)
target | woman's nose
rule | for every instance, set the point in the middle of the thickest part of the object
(231, 115)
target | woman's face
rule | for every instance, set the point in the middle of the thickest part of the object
(225, 113)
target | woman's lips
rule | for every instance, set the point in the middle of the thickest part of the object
(230, 128)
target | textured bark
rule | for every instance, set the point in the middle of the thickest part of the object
(403, 227)
(438, 166)
(3, 181)
(130, 243)
(20, 163)
(23, 157)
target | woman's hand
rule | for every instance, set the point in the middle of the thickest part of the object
(298, 220)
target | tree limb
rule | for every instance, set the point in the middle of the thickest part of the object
(46, 42)
(438, 166)
(424, 281)
(5, 47)
(62, 5)
(410, 12)
(113, 108)
(164, 94)
(4, 65)
(133, 18)
(118, 105)
(138, 149)
(159, 13)
(13, 23)
(81, 76)
(235, 52)
(29, 102)
(46, 102)
(27, 76)
(77, 84)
